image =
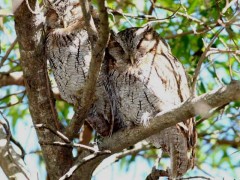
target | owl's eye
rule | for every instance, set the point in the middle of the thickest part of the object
(121, 51)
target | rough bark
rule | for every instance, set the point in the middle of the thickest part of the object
(28, 28)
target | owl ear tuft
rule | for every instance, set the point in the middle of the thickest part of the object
(114, 38)
(113, 34)
(143, 30)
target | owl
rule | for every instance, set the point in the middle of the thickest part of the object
(145, 79)
(68, 51)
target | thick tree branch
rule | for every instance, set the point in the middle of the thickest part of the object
(15, 78)
(28, 28)
(202, 105)
(96, 61)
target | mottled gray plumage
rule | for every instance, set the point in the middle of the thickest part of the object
(145, 78)
(68, 50)
(69, 53)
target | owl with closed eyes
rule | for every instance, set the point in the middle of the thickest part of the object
(145, 79)
(68, 50)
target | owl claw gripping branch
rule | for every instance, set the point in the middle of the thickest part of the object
(140, 77)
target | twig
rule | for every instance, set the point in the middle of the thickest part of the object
(82, 161)
(67, 143)
(198, 31)
(218, 51)
(143, 17)
(204, 55)
(205, 172)
(152, 8)
(195, 177)
(89, 22)
(209, 114)
(56, 132)
(182, 14)
(13, 94)
(71, 145)
(201, 59)
(115, 157)
(228, 5)
(5, 57)
(13, 104)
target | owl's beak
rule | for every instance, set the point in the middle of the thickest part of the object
(132, 60)
(64, 23)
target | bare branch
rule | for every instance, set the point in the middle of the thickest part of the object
(56, 132)
(228, 5)
(20, 100)
(67, 143)
(178, 114)
(91, 28)
(222, 51)
(82, 161)
(5, 57)
(115, 157)
(146, 17)
(198, 31)
(197, 177)
(95, 65)
(201, 60)
(15, 78)
(210, 114)
(182, 14)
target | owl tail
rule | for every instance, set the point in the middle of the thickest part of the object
(173, 142)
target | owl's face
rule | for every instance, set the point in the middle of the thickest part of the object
(129, 47)
(60, 16)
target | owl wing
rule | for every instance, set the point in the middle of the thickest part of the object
(179, 141)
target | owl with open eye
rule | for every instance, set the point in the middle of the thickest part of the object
(145, 79)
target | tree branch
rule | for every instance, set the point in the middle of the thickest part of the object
(5, 57)
(95, 65)
(15, 78)
(202, 105)
(82, 161)
(201, 60)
